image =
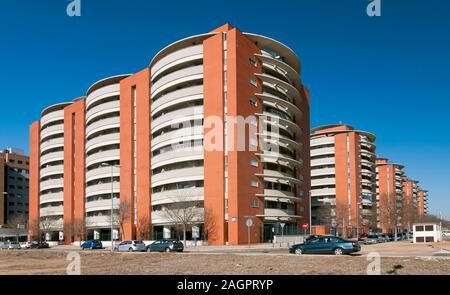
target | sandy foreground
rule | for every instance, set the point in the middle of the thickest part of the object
(31, 262)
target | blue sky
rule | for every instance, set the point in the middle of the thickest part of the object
(389, 75)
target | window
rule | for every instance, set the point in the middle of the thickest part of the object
(11, 203)
(429, 228)
(19, 162)
(11, 161)
(254, 162)
(252, 61)
(429, 239)
(253, 101)
(253, 81)
(419, 227)
(420, 239)
(301, 194)
(302, 209)
(254, 203)
(254, 183)
(253, 141)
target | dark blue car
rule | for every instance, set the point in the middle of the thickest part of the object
(92, 244)
(326, 245)
(165, 245)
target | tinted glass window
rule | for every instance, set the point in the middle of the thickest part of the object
(419, 227)
(428, 228)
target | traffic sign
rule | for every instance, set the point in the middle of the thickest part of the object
(249, 222)
(305, 225)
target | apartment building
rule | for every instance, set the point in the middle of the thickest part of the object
(410, 208)
(422, 203)
(217, 125)
(389, 198)
(14, 185)
(343, 179)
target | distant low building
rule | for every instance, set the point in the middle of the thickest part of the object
(427, 233)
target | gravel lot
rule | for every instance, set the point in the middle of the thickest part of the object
(104, 263)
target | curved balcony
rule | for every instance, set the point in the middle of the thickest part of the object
(323, 161)
(102, 188)
(278, 215)
(101, 205)
(323, 192)
(102, 93)
(270, 157)
(281, 86)
(275, 101)
(173, 196)
(51, 170)
(187, 54)
(52, 143)
(51, 130)
(52, 211)
(51, 183)
(172, 79)
(102, 140)
(51, 157)
(281, 67)
(185, 114)
(52, 117)
(102, 109)
(323, 172)
(178, 175)
(177, 156)
(317, 142)
(277, 195)
(275, 138)
(322, 151)
(51, 197)
(103, 157)
(287, 125)
(323, 181)
(101, 172)
(272, 175)
(176, 97)
(178, 135)
(102, 125)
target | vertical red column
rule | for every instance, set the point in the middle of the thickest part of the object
(240, 172)
(214, 165)
(33, 219)
(74, 170)
(135, 93)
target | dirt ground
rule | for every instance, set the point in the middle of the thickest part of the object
(104, 263)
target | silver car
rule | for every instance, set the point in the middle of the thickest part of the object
(14, 246)
(131, 246)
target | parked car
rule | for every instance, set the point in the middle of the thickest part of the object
(14, 246)
(362, 237)
(4, 245)
(25, 245)
(92, 244)
(326, 245)
(39, 245)
(130, 246)
(400, 236)
(372, 239)
(391, 237)
(383, 238)
(446, 233)
(165, 246)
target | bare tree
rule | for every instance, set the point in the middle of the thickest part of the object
(210, 225)
(48, 224)
(409, 213)
(122, 215)
(144, 228)
(342, 217)
(184, 212)
(389, 215)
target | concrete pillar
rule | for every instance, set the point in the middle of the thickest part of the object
(166, 232)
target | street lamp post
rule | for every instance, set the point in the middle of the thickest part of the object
(112, 201)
